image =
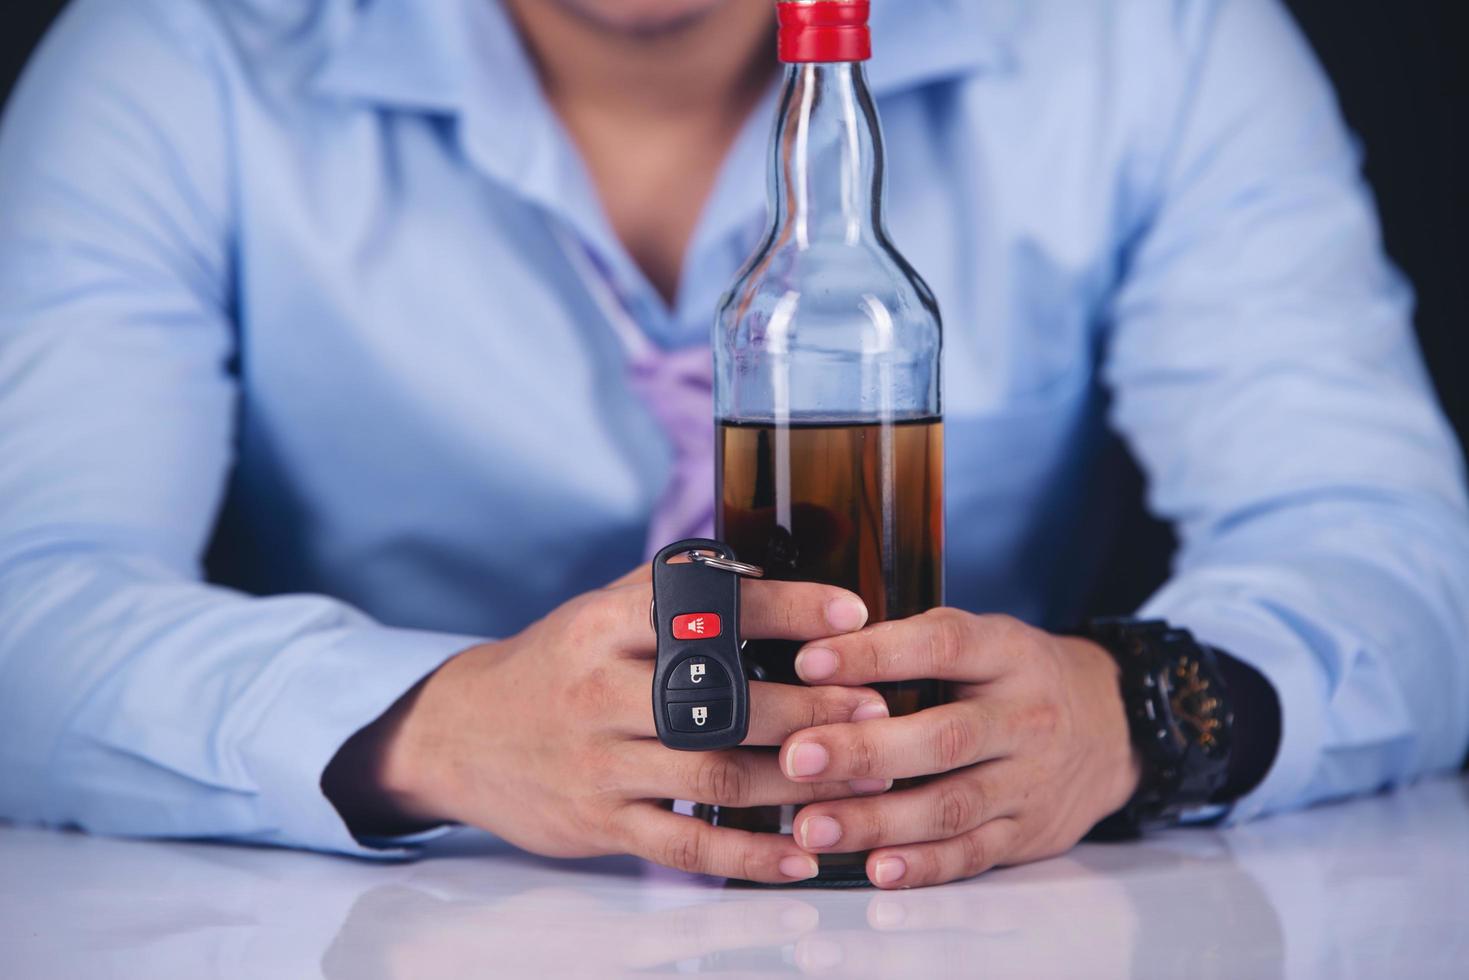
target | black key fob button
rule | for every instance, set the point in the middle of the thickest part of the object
(700, 716)
(697, 674)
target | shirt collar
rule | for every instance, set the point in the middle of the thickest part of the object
(464, 60)
(464, 57)
(454, 57)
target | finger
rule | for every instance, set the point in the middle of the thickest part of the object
(937, 739)
(732, 777)
(771, 610)
(915, 865)
(618, 692)
(681, 842)
(942, 808)
(618, 616)
(946, 644)
(779, 710)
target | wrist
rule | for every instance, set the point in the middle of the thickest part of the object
(401, 773)
(1121, 762)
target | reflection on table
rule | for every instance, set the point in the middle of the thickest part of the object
(1374, 887)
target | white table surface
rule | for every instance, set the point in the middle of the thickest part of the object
(1373, 888)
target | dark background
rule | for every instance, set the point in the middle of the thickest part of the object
(1396, 64)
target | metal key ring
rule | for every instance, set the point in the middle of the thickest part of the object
(727, 564)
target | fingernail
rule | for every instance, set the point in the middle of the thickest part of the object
(870, 786)
(868, 710)
(820, 832)
(806, 759)
(798, 866)
(846, 613)
(889, 870)
(816, 663)
(887, 914)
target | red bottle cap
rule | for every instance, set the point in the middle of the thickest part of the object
(824, 30)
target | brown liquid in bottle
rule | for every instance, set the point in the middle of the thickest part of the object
(859, 505)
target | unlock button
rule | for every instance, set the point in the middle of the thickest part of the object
(697, 674)
(700, 716)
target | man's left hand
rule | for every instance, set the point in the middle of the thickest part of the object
(1031, 752)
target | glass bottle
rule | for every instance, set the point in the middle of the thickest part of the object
(829, 453)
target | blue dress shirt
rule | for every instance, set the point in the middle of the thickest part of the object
(281, 283)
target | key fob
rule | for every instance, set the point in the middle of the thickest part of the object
(701, 699)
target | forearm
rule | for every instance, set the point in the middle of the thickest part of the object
(136, 702)
(1358, 615)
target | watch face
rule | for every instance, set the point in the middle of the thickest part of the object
(1196, 709)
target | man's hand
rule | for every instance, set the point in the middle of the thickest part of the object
(1032, 752)
(547, 740)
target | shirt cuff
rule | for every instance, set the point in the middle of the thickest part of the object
(342, 680)
(1256, 733)
(1252, 635)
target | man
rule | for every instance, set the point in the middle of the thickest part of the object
(303, 284)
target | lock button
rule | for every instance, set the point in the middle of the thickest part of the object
(700, 716)
(697, 674)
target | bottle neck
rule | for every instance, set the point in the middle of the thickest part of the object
(827, 180)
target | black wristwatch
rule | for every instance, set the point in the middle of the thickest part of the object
(1180, 717)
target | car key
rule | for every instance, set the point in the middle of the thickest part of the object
(701, 697)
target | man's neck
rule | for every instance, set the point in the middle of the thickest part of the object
(653, 114)
(710, 68)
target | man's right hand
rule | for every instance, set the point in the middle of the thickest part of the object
(547, 739)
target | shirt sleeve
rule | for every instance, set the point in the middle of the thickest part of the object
(1263, 368)
(135, 698)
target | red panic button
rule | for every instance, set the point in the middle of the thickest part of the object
(695, 626)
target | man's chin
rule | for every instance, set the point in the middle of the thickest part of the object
(641, 18)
